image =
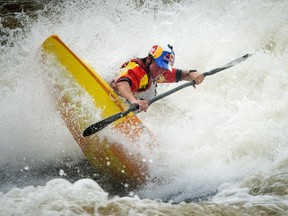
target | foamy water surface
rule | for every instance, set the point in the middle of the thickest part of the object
(224, 145)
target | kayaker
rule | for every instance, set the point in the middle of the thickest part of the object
(138, 78)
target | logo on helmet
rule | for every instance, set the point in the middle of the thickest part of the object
(169, 57)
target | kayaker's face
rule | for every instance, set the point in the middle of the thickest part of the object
(156, 71)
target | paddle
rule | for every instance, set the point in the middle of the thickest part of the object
(94, 128)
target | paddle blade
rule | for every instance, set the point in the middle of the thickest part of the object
(94, 128)
(230, 64)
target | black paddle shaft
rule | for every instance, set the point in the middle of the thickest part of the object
(94, 128)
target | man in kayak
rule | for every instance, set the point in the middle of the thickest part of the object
(138, 78)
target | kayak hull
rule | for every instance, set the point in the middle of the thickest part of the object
(110, 156)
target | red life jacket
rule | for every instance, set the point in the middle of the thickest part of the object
(135, 72)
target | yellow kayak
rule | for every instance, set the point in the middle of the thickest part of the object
(107, 155)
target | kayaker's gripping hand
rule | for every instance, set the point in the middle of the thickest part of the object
(143, 104)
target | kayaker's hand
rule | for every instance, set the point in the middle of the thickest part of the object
(143, 104)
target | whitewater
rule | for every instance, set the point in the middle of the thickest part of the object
(224, 145)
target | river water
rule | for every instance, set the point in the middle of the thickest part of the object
(224, 145)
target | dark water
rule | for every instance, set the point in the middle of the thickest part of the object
(14, 13)
(17, 15)
(33, 174)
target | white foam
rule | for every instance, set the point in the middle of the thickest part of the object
(232, 125)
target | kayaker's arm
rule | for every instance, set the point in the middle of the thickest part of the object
(124, 90)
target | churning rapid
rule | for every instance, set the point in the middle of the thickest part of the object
(224, 145)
